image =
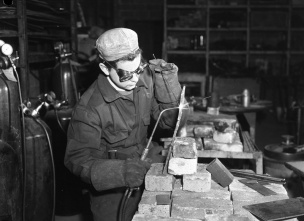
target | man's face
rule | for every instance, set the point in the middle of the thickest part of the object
(127, 66)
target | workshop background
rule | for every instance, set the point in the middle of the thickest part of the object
(219, 45)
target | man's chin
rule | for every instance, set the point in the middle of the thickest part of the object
(130, 88)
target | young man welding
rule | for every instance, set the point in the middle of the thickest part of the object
(108, 129)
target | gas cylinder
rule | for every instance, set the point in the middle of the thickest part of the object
(64, 80)
(40, 181)
(10, 152)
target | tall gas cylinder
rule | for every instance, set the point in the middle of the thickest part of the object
(64, 80)
(10, 151)
(40, 179)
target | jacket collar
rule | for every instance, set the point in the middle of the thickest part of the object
(109, 93)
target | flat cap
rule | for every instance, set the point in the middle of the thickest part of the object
(116, 43)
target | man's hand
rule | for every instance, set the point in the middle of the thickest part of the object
(161, 66)
(135, 172)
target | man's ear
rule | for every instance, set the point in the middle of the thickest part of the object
(104, 69)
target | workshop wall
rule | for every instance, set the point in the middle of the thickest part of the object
(138, 10)
(146, 18)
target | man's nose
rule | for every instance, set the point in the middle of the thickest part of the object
(135, 77)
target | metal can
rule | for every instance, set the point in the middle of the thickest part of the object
(246, 98)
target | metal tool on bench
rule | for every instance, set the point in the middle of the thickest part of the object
(257, 181)
(258, 187)
(259, 177)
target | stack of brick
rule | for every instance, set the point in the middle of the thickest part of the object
(196, 196)
(184, 157)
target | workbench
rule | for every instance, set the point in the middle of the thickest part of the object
(250, 151)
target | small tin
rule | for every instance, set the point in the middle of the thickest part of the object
(246, 98)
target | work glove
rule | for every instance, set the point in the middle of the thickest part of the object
(135, 171)
(161, 66)
(166, 79)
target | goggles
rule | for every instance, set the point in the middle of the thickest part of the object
(127, 75)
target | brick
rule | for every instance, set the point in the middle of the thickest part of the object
(148, 204)
(185, 148)
(236, 185)
(220, 173)
(225, 137)
(216, 186)
(239, 210)
(142, 217)
(226, 218)
(214, 194)
(255, 197)
(198, 208)
(157, 181)
(181, 166)
(198, 182)
(205, 131)
(210, 144)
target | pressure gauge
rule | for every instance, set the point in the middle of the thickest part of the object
(7, 49)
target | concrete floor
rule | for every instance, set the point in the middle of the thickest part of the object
(269, 130)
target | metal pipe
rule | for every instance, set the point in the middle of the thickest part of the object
(146, 150)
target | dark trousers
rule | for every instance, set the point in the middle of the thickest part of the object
(105, 205)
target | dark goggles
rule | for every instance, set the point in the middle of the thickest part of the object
(127, 75)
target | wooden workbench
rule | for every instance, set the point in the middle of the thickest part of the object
(250, 151)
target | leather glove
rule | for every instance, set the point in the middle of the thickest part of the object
(166, 80)
(161, 66)
(135, 172)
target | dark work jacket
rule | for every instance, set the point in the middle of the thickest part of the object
(105, 120)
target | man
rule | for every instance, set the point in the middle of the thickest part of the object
(108, 129)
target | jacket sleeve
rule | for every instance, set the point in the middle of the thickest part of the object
(84, 156)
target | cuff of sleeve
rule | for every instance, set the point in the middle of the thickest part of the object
(108, 174)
